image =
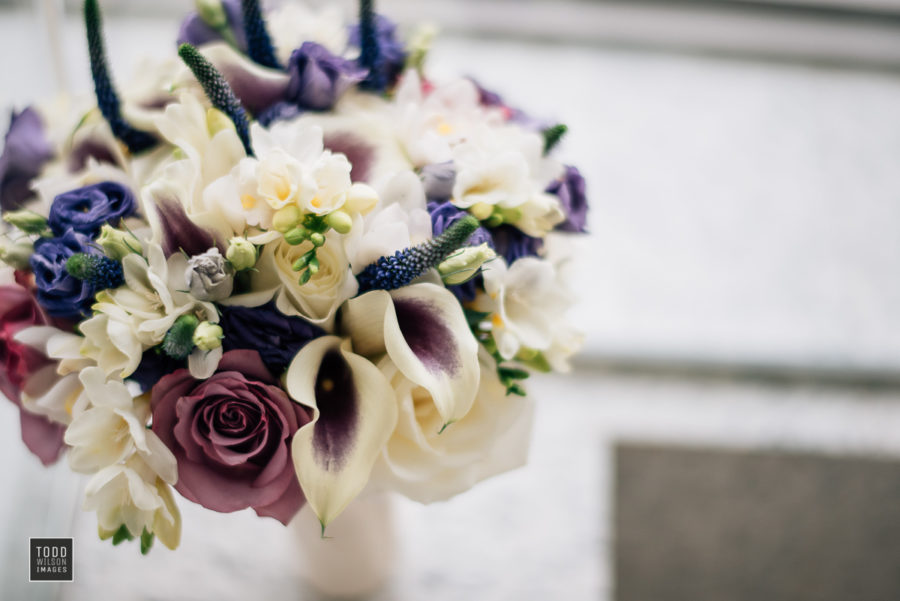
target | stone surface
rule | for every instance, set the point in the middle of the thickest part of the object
(710, 524)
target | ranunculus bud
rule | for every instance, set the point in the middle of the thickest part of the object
(16, 254)
(118, 244)
(464, 264)
(208, 336)
(209, 277)
(241, 253)
(27, 221)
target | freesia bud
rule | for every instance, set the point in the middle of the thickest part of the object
(118, 244)
(286, 218)
(481, 211)
(241, 253)
(208, 336)
(217, 121)
(340, 221)
(361, 198)
(464, 265)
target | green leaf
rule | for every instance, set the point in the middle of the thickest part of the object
(146, 541)
(552, 136)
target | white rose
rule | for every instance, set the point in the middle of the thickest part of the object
(426, 466)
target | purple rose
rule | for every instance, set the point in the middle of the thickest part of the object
(319, 78)
(24, 155)
(195, 31)
(61, 294)
(570, 191)
(275, 336)
(231, 435)
(391, 53)
(86, 209)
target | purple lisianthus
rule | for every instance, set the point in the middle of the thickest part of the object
(319, 78)
(280, 111)
(231, 435)
(275, 336)
(445, 214)
(60, 294)
(196, 31)
(570, 191)
(87, 209)
(391, 52)
(512, 244)
(24, 154)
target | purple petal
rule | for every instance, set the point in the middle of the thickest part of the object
(429, 338)
(337, 400)
(180, 233)
(360, 154)
(24, 155)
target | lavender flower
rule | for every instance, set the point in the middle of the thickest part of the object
(196, 31)
(570, 191)
(24, 155)
(319, 78)
(391, 55)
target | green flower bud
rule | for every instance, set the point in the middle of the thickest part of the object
(217, 121)
(208, 336)
(313, 266)
(340, 221)
(464, 264)
(16, 254)
(303, 261)
(481, 210)
(212, 13)
(304, 277)
(286, 218)
(118, 244)
(317, 239)
(241, 253)
(296, 236)
(27, 221)
(179, 340)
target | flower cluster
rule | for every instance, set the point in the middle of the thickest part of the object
(281, 268)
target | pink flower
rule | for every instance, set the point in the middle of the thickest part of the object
(19, 310)
(231, 435)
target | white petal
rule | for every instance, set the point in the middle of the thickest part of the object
(203, 364)
(354, 413)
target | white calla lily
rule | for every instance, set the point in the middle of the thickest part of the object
(423, 330)
(354, 414)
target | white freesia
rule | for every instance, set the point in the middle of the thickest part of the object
(427, 466)
(130, 494)
(527, 302)
(353, 416)
(114, 428)
(136, 316)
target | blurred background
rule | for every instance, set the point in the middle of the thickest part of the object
(732, 428)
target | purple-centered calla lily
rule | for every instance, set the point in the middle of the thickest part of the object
(423, 330)
(354, 412)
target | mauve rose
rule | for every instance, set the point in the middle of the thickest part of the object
(231, 435)
(18, 310)
(570, 191)
(318, 77)
(86, 209)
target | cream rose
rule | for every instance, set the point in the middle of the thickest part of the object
(429, 466)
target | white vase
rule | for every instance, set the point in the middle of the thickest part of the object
(357, 556)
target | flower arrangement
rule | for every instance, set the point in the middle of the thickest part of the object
(280, 268)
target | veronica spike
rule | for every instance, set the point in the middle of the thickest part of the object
(368, 42)
(218, 91)
(401, 268)
(107, 99)
(259, 44)
(553, 135)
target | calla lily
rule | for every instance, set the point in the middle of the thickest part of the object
(354, 414)
(423, 330)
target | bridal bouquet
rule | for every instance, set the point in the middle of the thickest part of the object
(281, 267)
